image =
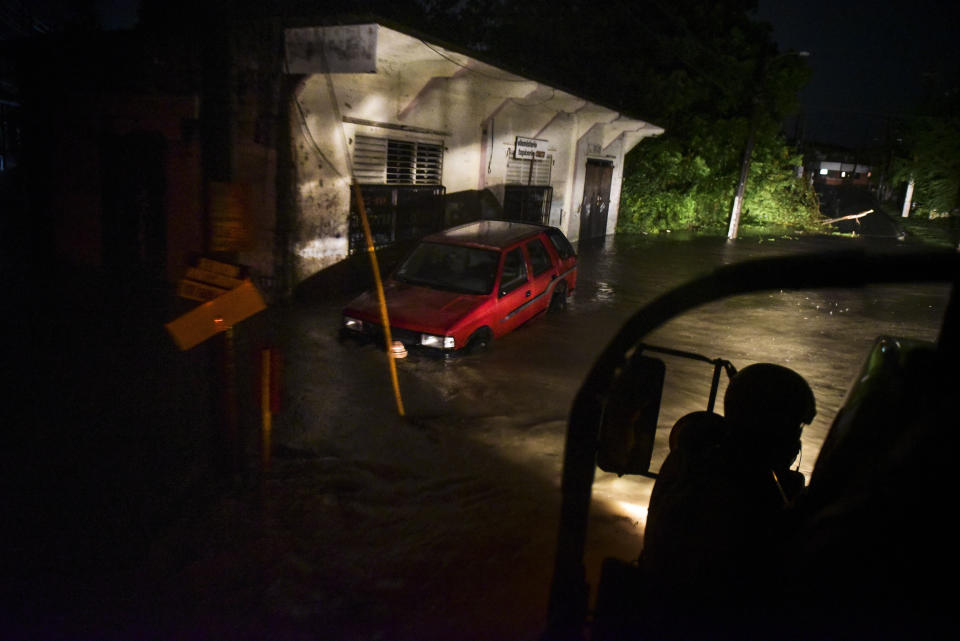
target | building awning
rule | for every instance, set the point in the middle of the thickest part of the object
(423, 67)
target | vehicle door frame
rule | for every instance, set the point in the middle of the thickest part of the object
(515, 307)
(540, 284)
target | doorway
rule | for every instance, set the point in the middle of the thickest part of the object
(133, 216)
(596, 199)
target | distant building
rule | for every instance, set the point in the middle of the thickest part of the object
(835, 172)
(834, 166)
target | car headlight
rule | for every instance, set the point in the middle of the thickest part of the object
(354, 324)
(440, 342)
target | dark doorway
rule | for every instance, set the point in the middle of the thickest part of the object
(134, 224)
(596, 199)
(527, 203)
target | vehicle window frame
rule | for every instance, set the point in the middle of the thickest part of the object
(545, 253)
(505, 288)
(561, 244)
(469, 254)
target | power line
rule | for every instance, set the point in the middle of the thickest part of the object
(468, 68)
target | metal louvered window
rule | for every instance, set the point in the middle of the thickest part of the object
(386, 161)
(523, 171)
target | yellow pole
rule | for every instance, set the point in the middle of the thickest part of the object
(267, 418)
(230, 400)
(384, 317)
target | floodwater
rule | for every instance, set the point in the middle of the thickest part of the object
(442, 523)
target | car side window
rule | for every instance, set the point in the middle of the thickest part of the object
(539, 258)
(514, 272)
(561, 244)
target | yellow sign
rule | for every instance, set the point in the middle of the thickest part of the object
(226, 269)
(212, 278)
(209, 280)
(216, 315)
(198, 291)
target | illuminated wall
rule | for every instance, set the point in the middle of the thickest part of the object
(374, 82)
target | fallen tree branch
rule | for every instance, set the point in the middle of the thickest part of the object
(850, 217)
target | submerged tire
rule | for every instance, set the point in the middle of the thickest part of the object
(479, 341)
(558, 302)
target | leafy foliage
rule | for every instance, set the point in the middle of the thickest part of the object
(776, 196)
(933, 163)
(688, 182)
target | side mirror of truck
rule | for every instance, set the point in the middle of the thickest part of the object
(630, 415)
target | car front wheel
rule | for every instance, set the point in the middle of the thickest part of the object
(479, 341)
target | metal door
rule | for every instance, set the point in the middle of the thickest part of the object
(596, 199)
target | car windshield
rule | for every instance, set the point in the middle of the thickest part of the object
(469, 270)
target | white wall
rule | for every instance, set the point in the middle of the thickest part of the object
(422, 91)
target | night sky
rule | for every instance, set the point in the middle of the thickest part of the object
(117, 14)
(870, 60)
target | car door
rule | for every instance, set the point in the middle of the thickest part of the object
(543, 273)
(566, 256)
(513, 292)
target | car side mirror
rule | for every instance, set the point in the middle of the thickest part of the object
(631, 411)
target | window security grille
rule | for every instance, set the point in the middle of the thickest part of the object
(395, 213)
(527, 203)
(525, 172)
(385, 161)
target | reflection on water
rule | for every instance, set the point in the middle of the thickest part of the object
(823, 334)
(602, 293)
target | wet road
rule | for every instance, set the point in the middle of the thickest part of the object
(446, 519)
(837, 202)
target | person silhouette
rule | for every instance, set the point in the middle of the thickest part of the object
(717, 506)
(766, 407)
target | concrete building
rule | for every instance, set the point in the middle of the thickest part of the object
(168, 148)
(413, 123)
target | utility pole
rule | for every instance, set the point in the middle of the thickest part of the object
(744, 172)
(735, 211)
(907, 199)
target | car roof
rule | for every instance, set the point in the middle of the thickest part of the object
(493, 234)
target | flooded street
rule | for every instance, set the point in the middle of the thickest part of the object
(442, 524)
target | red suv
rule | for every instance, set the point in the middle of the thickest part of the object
(462, 287)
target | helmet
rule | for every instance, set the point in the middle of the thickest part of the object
(768, 391)
(767, 404)
(697, 432)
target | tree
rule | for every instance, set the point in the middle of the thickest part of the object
(687, 178)
(687, 181)
(933, 162)
(651, 59)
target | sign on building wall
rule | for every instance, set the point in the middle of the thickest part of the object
(530, 148)
(342, 49)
